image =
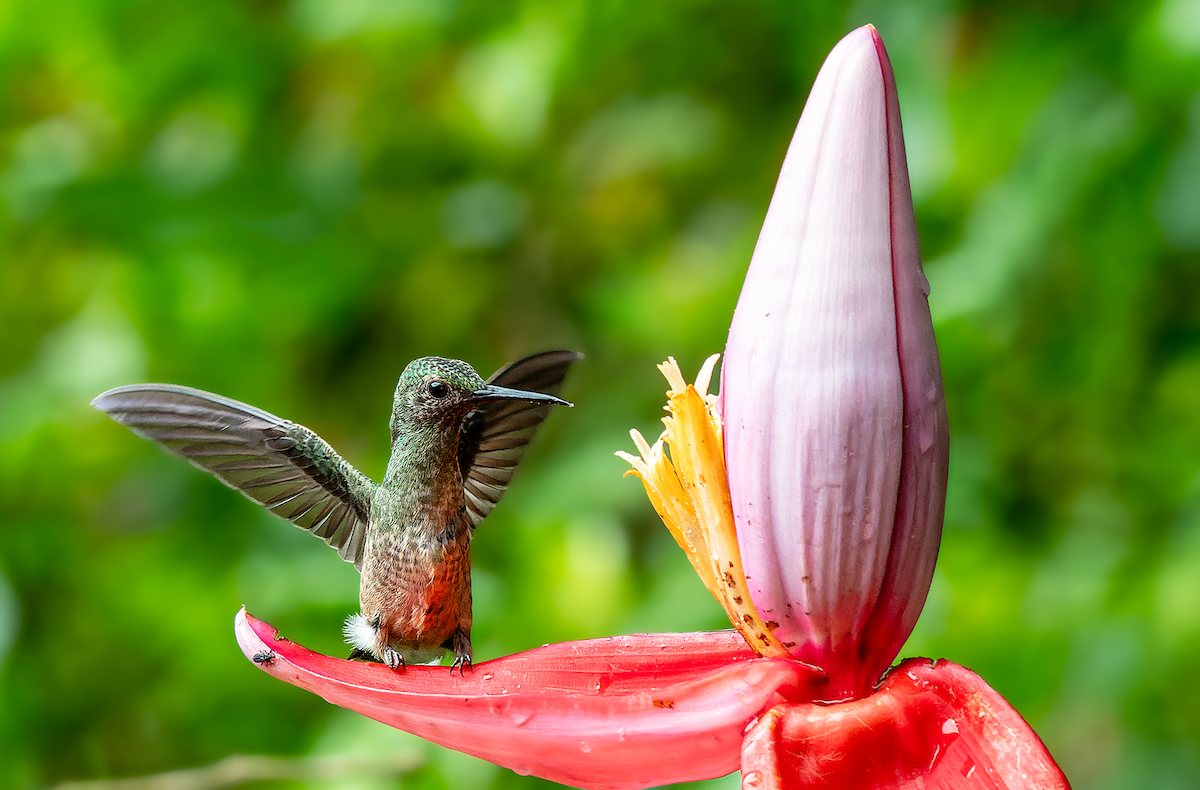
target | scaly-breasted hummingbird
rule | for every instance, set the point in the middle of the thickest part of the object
(456, 441)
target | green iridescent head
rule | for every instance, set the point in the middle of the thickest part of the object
(434, 390)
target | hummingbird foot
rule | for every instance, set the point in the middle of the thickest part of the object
(463, 663)
(364, 635)
(460, 643)
(393, 659)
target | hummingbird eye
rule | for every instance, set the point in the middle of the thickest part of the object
(438, 389)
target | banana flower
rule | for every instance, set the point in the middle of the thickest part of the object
(808, 495)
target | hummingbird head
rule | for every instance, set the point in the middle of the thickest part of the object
(435, 392)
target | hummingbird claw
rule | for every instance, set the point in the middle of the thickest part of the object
(463, 663)
(460, 643)
(393, 659)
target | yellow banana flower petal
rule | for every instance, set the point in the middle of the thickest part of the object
(690, 492)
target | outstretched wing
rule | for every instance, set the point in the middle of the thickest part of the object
(284, 466)
(495, 435)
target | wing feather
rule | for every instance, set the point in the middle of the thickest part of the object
(277, 463)
(494, 436)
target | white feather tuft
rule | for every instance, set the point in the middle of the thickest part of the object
(360, 634)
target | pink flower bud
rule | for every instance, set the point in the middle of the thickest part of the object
(836, 439)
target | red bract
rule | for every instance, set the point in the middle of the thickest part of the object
(621, 712)
(929, 726)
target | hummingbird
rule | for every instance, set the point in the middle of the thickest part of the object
(456, 441)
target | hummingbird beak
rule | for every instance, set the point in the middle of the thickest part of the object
(491, 392)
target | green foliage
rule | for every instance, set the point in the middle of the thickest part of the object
(284, 202)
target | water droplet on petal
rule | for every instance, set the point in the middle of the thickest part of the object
(585, 747)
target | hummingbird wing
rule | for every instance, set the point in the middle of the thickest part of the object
(495, 435)
(277, 463)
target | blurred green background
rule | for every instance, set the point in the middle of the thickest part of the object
(285, 201)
